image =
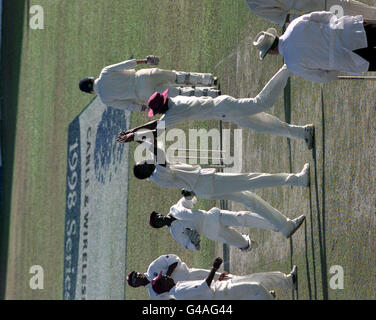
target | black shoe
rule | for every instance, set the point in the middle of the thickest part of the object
(309, 132)
(294, 274)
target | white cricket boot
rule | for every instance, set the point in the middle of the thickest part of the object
(297, 223)
(305, 175)
(252, 244)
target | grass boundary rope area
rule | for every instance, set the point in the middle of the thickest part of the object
(11, 44)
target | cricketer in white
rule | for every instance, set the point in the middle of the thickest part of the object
(245, 112)
(121, 86)
(318, 46)
(215, 224)
(181, 272)
(318, 49)
(254, 287)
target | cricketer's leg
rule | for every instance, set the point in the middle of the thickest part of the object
(241, 291)
(224, 183)
(258, 205)
(234, 238)
(266, 123)
(247, 113)
(244, 107)
(270, 280)
(245, 219)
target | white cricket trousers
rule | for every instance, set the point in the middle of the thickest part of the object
(268, 124)
(249, 112)
(258, 205)
(151, 80)
(270, 280)
(229, 219)
(229, 290)
(235, 182)
(216, 186)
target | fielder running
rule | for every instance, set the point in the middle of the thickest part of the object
(254, 287)
(246, 112)
(121, 86)
(187, 224)
(283, 11)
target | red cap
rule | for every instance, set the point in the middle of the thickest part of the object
(157, 102)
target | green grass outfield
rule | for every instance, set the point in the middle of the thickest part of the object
(40, 73)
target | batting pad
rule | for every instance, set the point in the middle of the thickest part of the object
(96, 205)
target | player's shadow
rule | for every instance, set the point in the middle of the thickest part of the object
(323, 204)
(320, 215)
(311, 294)
(287, 107)
(317, 225)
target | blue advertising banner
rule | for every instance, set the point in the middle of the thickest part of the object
(72, 211)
